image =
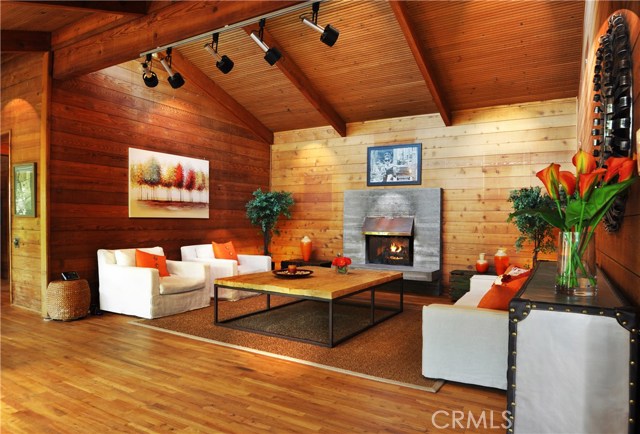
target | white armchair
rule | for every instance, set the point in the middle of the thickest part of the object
(219, 268)
(130, 290)
(464, 343)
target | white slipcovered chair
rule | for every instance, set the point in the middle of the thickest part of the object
(130, 290)
(464, 343)
(246, 264)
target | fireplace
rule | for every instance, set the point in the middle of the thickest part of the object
(389, 240)
(378, 221)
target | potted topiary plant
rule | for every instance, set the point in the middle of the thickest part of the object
(264, 210)
(533, 228)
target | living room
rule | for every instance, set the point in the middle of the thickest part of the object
(78, 123)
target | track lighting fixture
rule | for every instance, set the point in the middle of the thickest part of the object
(148, 76)
(272, 55)
(175, 79)
(223, 63)
(329, 34)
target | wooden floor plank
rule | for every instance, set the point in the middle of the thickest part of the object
(103, 374)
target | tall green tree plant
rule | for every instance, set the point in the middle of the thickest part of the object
(533, 228)
(264, 210)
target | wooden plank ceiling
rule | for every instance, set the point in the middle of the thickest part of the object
(391, 60)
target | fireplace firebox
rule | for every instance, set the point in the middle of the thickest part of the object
(389, 240)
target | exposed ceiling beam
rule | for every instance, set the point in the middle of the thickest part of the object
(399, 8)
(86, 27)
(115, 7)
(20, 40)
(195, 75)
(172, 23)
(295, 75)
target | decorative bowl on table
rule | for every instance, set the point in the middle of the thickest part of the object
(298, 274)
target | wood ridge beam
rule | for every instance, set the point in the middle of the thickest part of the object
(295, 75)
(22, 40)
(112, 7)
(194, 75)
(399, 9)
(175, 22)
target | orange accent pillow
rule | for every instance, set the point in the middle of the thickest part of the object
(504, 289)
(225, 251)
(149, 260)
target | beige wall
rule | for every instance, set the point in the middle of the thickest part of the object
(477, 162)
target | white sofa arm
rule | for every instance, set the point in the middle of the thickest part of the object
(465, 344)
(194, 270)
(187, 269)
(256, 262)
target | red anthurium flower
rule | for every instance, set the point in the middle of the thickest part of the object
(588, 181)
(568, 182)
(549, 177)
(627, 169)
(584, 162)
(621, 166)
(613, 167)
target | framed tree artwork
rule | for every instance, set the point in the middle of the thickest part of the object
(394, 165)
(167, 186)
(24, 190)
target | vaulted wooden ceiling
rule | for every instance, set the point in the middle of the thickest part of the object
(392, 59)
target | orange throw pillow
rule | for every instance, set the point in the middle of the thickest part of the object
(504, 289)
(224, 251)
(149, 260)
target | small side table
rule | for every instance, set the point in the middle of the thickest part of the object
(68, 299)
(301, 263)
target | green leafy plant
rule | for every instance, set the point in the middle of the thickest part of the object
(264, 210)
(534, 228)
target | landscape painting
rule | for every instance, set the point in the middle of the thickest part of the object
(167, 186)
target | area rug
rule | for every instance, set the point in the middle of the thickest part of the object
(390, 352)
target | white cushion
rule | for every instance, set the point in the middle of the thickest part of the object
(178, 284)
(127, 257)
(204, 251)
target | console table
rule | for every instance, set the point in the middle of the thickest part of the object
(572, 360)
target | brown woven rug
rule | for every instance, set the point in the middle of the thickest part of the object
(390, 351)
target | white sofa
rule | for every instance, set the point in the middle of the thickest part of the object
(130, 290)
(219, 268)
(466, 344)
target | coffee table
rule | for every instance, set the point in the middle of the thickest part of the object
(325, 308)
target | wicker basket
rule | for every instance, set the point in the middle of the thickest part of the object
(68, 299)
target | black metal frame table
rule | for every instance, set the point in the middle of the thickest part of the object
(338, 292)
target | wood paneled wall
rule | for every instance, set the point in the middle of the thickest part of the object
(95, 119)
(477, 161)
(22, 94)
(619, 253)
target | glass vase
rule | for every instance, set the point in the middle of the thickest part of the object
(576, 265)
(342, 270)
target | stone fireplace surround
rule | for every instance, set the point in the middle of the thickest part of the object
(423, 204)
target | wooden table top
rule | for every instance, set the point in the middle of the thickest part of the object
(324, 283)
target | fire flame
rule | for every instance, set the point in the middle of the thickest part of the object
(395, 248)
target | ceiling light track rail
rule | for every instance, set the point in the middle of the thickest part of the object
(234, 26)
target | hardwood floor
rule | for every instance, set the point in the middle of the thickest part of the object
(103, 374)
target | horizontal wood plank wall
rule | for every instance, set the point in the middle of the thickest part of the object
(95, 120)
(477, 161)
(21, 115)
(619, 253)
